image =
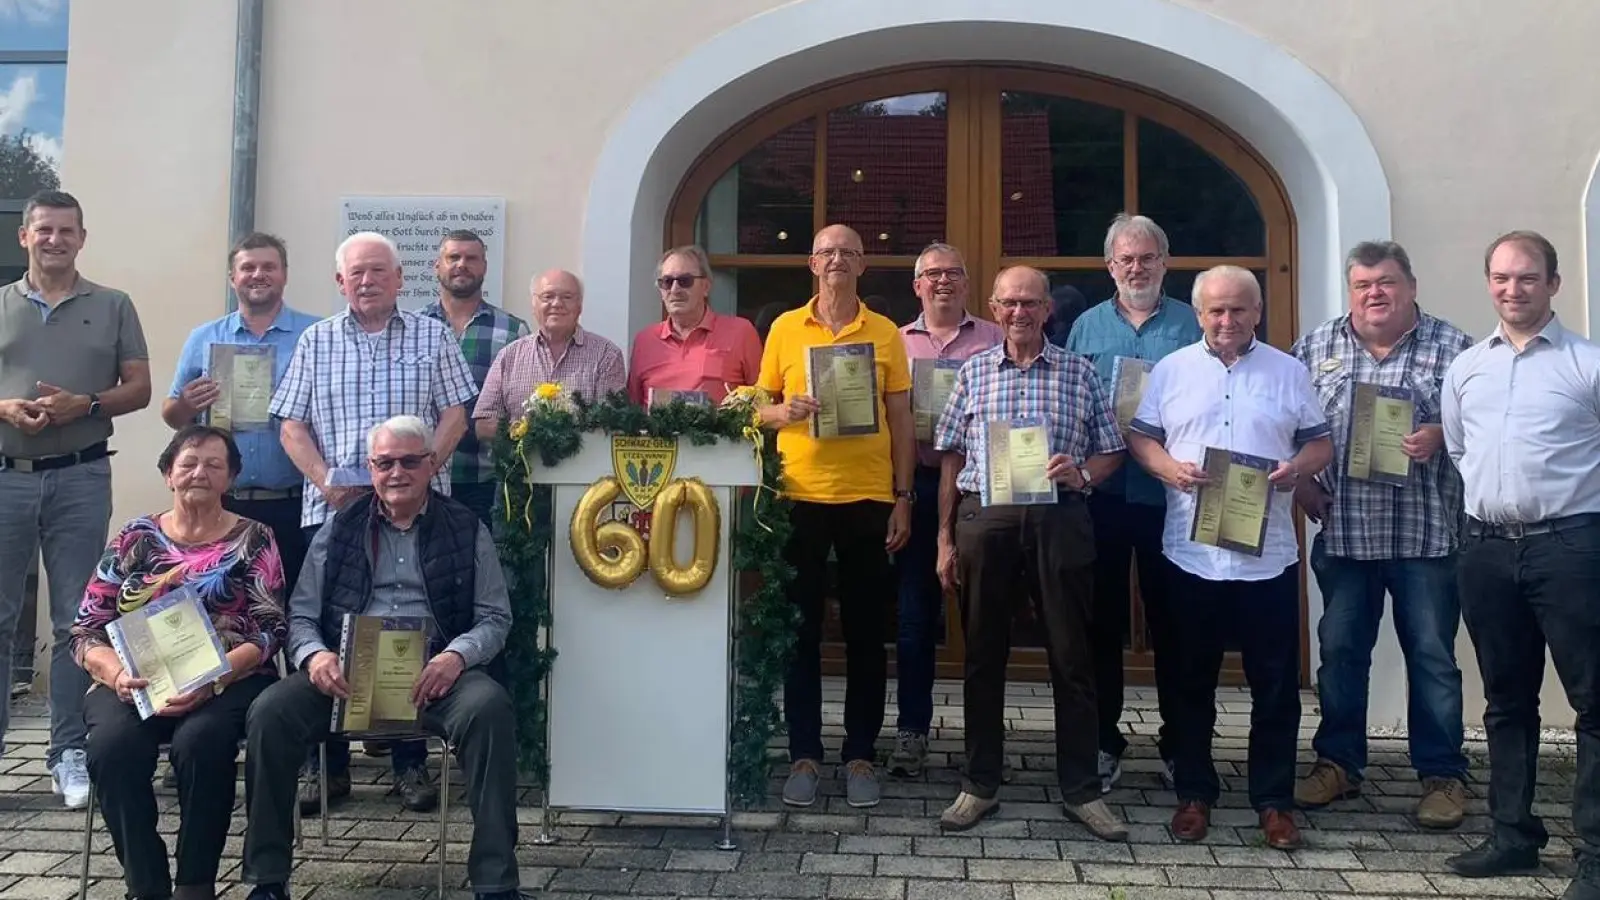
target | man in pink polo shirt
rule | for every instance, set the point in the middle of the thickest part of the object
(693, 348)
(937, 342)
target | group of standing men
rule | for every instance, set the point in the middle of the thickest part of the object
(1524, 560)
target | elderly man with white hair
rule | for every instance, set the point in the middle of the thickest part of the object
(1230, 392)
(351, 372)
(400, 549)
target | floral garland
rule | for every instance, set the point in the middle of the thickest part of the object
(550, 431)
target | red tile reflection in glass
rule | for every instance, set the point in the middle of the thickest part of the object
(777, 190)
(887, 170)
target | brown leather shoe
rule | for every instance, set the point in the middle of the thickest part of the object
(1191, 821)
(1280, 831)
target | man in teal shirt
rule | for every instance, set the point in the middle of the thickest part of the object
(1129, 509)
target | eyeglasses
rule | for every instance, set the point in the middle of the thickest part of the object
(955, 273)
(1126, 261)
(1015, 305)
(410, 462)
(667, 282)
(845, 253)
(566, 297)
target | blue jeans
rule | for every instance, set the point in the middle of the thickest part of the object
(1427, 615)
(921, 619)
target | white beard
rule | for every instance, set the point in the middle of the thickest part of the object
(1141, 300)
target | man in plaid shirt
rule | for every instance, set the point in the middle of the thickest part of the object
(483, 330)
(1381, 538)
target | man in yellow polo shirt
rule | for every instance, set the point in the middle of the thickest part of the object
(851, 487)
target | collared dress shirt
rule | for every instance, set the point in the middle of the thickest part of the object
(719, 353)
(589, 365)
(1262, 405)
(1524, 428)
(972, 335)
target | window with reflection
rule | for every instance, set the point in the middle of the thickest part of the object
(33, 90)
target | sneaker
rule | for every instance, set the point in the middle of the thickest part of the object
(69, 778)
(801, 788)
(1324, 784)
(861, 788)
(1443, 803)
(1098, 818)
(376, 748)
(909, 756)
(310, 801)
(416, 789)
(967, 811)
(1110, 771)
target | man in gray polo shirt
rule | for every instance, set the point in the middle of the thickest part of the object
(72, 356)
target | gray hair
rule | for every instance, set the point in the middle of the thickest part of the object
(533, 285)
(1125, 225)
(935, 247)
(1225, 273)
(1373, 253)
(694, 252)
(1042, 278)
(364, 237)
(401, 427)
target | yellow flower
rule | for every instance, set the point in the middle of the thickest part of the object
(519, 428)
(547, 391)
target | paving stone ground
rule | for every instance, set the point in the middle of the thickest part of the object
(1362, 848)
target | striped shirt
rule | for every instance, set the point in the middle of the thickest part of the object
(344, 381)
(487, 333)
(589, 365)
(1058, 386)
(1367, 519)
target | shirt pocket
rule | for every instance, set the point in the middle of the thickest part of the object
(1428, 389)
(718, 365)
(1333, 391)
(413, 381)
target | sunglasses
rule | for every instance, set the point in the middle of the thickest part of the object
(410, 462)
(667, 282)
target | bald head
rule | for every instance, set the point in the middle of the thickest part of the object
(1020, 303)
(557, 302)
(837, 259)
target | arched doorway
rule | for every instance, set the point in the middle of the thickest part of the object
(1014, 165)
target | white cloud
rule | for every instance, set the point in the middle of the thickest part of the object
(48, 148)
(35, 12)
(16, 101)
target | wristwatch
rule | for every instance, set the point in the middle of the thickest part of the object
(907, 496)
(94, 406)
(1083, 472)
(217, 687)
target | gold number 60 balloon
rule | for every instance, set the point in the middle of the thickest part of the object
(612, 555)
(702, 506)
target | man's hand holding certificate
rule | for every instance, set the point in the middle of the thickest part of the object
(1382, 419)
(1231, 509)
(1017, 457)
(844, 380)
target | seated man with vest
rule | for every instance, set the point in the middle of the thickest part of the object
(404, 550)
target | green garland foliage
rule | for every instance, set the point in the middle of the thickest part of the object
(767, 621)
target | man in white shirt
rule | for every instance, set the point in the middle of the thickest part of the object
(1522, 422)
(1233, 393)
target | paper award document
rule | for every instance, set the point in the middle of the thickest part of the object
(931, 383)
(1017, 451)
(170, 643)
(381, 658)
(1128, 377)
(244, 375)
(844, 380)
(1231, 509)
(1380, 419)
(655, 397)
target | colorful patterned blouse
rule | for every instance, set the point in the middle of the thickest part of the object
(240, 579)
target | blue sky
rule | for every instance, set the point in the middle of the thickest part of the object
(32, 96)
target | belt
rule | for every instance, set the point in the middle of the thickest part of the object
(1063, 496)
(265, 494)
(45, 463)
(1516, 531)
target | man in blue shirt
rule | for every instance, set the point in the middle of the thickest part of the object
(1138, 324)
(268, 488)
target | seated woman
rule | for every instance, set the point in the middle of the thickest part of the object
(233, 565)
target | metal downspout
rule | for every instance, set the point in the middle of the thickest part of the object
(246, 126)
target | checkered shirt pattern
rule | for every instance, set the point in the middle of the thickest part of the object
(342, 382)
(1379, 521)
(489, 331)
(1059, 387)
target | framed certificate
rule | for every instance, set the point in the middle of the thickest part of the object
(381, 658)
(931, 383)
(1231, 509)
(243, 372)
(655, 397)
(1016, 453)
(1380, 419)
(1128, 377)
(844, 380)
(169, 642)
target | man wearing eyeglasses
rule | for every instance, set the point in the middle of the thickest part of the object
(560, 351)
(1141, 325)
(852, 498)
(693, 348)
(400, 549)
(944, 335)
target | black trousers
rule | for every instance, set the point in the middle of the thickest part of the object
(855, 533)
(205, 748)
(1265, 618)
(1519, 597)
(282, 517)
(1045, 553)
(1128, 534)
(479, 497)
(475, 716)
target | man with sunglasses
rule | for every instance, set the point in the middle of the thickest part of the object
(693, 348)
(400, 549)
